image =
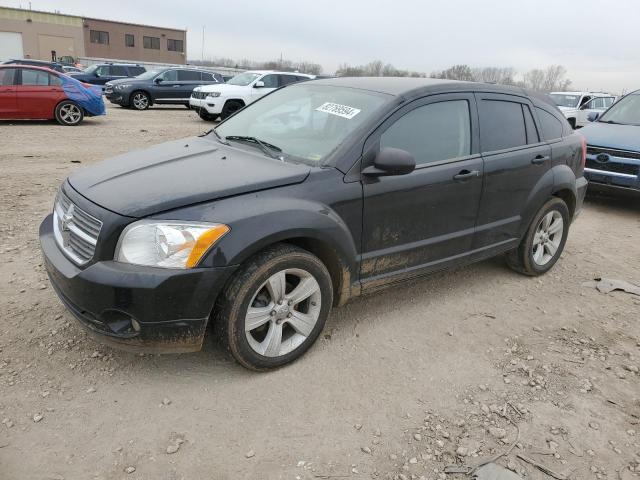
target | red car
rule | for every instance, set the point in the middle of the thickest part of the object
(36, 93)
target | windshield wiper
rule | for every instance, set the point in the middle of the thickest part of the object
(267, 148)
(218, 136)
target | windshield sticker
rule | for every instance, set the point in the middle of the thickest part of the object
(343, 111)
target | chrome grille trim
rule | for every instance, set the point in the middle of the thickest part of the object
(76, 232)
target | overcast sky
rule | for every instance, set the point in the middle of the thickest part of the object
(596, 41)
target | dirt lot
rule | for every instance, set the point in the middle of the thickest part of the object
(435, 372)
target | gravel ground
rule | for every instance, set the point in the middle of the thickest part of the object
(450, 369)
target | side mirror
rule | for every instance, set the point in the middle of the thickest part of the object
(97, 75)
(259, 84)
(593, 116)
(157, 80)
(391, 161)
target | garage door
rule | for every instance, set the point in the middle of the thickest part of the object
(10, 45)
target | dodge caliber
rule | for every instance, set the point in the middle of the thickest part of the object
(318, 192)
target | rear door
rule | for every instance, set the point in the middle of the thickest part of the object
(38, 93)
(515, 162)
(188, 80)
(423, 220)
(8, 95)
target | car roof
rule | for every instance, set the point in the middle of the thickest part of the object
(33, 61)
(602, 94)
(262, 72)
(46, 69)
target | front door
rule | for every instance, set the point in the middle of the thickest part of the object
(271, 82)
(423, 220)
(516, 161)
(166, 88)
(8, 97)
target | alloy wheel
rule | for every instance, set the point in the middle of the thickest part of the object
(140, 101)
(548, 237)
(70, 113)
(283, 312)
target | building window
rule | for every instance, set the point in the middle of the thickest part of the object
(99, 37)
(175, 45)
(129, 40)
(151, 42)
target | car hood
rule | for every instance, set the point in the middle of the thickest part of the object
(223, 88)
(180, 173)
(609, 135)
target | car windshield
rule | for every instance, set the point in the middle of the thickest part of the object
(148, 75)
(306, 122)
(626, 111)
(564, 100)
(243, 79)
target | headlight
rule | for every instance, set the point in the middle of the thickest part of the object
(122, 86)
(213, 94)
(167, 244)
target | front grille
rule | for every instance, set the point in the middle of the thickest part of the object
(76, 231)
(200, 95)
(616, 167)
(613, 153)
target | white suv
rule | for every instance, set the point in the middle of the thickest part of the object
(213, 101)
(576, 106)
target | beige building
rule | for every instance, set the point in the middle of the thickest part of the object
(44, 35)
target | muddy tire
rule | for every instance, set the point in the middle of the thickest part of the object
(69, 113)
(544, 241)
(274, 307)
(230, 107)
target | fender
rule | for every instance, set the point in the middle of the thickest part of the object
(538, 195)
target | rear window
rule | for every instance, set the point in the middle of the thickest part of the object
(551, 127)
(189, 75)
(135, 71)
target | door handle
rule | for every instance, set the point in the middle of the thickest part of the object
(466, 174)
(540, 159)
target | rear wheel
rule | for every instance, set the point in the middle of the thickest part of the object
(140, 100)
(69, 113)
(544, 241)
(275, 307)
(230, 107)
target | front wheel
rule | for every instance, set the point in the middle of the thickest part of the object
(275, 307)
(544, 241)
(206, 116)
(230, 107)
(140, 100)
(69, 113)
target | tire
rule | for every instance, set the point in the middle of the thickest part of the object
(543, 244)
(230, 107)
(206, 116)
(69, 113)
(257, 284)
(139, 100)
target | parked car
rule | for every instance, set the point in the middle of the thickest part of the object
(164, 86)
(100, 74)
(34, 93)
(36, 63)
(314, 194)
(574, 105)
(613, 147)
(213, 101)
(70, 69)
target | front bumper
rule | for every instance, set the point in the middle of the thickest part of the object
(143, 309)
(616, 172)
(118, 97)
(211, 105)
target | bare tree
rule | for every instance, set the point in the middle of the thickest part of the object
(457, 72)
(548, 80)
(498, 75)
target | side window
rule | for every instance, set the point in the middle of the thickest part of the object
(189, 75)
(501, 125)
(608, 101)
(7, 77)
(270, 81)
(550, 125)
(135, 71)
(207, 77)
(288, 79)
(118, 71)
(433, 132)
(532, 131)
(170, 76)
(104, 70)
(585, 99)
(54, 80)
(35, 77)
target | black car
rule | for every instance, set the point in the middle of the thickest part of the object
(613, 147)
(101, 73)
(164, 86)
(58, 67)
(316, 193)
